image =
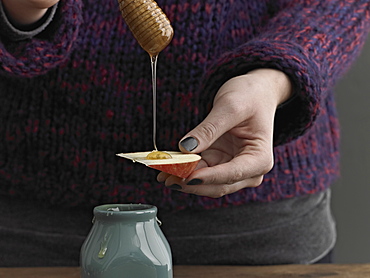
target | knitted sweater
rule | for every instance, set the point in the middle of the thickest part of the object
(79, 92)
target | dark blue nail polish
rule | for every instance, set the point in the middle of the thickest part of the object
(189, 143)
(195, 182)
(175, 187)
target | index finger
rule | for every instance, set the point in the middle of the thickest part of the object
(240, 168)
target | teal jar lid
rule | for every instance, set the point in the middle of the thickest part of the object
(125, 212)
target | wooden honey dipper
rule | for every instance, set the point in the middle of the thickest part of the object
(148, 23)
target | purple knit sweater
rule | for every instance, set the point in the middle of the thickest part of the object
(80, 91)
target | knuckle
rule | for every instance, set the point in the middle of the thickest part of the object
(195, 190)
(221, 191)
(267, 163)
(232, 107)
(209, 131)
(236, 108)
(266, 168)
(257, 181)
(212, 179)
(238, 175)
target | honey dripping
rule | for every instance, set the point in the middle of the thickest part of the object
(153, 31)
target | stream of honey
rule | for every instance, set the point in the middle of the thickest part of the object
(153, 62)
(155, 154)
(153, 31)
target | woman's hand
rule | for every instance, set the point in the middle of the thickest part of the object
(25, 12)
(235, 139)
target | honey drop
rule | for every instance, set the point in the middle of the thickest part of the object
(158, 155)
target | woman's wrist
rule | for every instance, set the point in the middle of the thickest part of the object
(282, 86)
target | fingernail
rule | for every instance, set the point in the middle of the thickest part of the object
(175, 187)
(195, 182)
(189, 143)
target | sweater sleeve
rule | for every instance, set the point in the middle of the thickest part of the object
(35, 52)
(314, 42)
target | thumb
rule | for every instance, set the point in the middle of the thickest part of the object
(207, 132)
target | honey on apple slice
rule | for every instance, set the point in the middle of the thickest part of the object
(158, 155)
(180, 164)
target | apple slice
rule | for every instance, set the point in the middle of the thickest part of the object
(181, 164)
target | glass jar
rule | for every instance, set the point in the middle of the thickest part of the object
(125, 241)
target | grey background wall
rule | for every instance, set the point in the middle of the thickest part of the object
(351, 193)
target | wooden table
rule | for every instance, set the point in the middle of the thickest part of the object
(287, 271)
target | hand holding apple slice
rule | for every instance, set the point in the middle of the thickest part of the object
(177, 164)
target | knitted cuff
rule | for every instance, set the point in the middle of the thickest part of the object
(294, 117)
(14, 34)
